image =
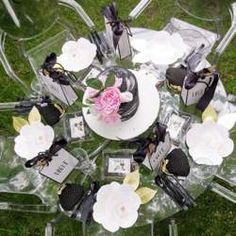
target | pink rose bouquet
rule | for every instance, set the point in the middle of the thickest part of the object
(106, 98)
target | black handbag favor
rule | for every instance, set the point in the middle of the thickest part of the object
(77, 202)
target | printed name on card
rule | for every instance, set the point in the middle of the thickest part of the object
(60, 166)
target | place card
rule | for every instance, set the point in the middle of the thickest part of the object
(61, 165)
(154, 160)
(64, 93)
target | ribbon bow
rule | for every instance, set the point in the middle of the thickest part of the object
(56, 74)
(146, 144)
(193, 78)
(47, 155)
(117, 25)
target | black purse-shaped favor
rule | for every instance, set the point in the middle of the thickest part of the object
(78, 203)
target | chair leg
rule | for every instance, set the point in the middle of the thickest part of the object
(224, 192)
(49, 229)
(173, 230)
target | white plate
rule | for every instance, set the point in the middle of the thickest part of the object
(149, 104)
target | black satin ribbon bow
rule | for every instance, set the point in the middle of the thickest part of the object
(47, 155)
(160, 133)
(117, 25)
(57, 75)
(191, 81)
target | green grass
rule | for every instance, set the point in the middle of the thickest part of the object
(212, 216)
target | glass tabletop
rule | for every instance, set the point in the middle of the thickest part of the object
(91, 166)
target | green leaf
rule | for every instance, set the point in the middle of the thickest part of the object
(132, 179)
(146, 194)
(110, 81)
(34, 115)
(94, 83)
(18, 123)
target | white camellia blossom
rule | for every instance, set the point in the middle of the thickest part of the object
(208, 143)
(77, 55)
(161, 49)
(33, 139)
(116, 206)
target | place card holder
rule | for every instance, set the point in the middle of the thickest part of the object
(177, 125)
(75, 127)
(117, 164)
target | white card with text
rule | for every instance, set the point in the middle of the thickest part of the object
(60, 166)
(62, 92)
(153, 162)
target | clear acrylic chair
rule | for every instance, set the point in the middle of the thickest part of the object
(16, 179)
(16, 24)
(200, 30)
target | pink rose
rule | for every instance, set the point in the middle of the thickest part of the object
(108, 103)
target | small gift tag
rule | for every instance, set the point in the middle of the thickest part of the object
(154, 160)
(62, 92)
(193, 95)
(60, 166)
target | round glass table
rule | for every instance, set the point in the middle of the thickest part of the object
(91, 166)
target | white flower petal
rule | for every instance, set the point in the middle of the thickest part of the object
(227, 120)
(129, 220)
(162, 48)
(140, 58)
(126, 97)
(116, 206)
(139, 44)
(68, 46)
(33, 139)
(77, 55)
(208, 143)
(227, 148)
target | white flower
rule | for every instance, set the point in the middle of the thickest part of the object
(117, 206)
(208, 143)
(227, 120)
(163, 49)
(77, 55)
(33, 138)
